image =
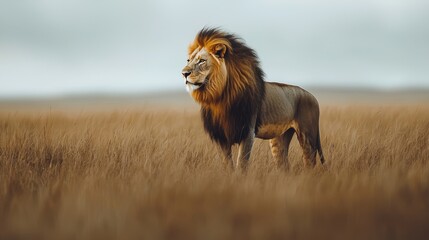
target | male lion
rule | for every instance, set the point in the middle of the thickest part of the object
(223, 75)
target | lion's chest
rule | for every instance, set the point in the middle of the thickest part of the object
(226, 127)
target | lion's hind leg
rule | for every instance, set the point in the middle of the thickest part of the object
(280, 148)
(308, 141)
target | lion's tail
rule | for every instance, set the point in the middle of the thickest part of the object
(319, 149)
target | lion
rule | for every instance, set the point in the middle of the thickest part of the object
(224, 76)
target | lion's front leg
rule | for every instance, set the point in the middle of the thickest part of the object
(244, 151)
(227, 157)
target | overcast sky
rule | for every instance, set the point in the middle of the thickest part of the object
(55, 47)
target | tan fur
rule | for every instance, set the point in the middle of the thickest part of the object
(287, 110)
(237, 105)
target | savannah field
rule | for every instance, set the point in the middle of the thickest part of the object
(130, 168)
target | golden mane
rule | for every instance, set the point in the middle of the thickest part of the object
(227, 109)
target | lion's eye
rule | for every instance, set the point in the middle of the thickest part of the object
(188, 60)
(201, 61)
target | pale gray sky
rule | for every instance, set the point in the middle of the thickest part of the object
(54, 47)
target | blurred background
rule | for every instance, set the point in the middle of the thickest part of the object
(66, 47)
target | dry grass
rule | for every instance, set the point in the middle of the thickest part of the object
(146, 174)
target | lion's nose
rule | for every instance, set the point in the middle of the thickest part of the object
(186, 73)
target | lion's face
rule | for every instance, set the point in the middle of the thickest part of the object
(204, 71)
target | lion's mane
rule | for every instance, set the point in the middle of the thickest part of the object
(227, 110)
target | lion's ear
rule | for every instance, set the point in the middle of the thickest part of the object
(219, 50)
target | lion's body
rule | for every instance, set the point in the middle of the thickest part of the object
(278, 118)
(223, 75)
(287, 110)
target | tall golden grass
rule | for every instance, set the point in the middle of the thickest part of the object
(154, 174)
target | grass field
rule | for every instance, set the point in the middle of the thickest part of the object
(147, 173)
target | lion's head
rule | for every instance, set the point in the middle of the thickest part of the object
(205, 74)
(219, 62)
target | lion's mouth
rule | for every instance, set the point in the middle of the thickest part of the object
(190, 86)
(195, 84)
